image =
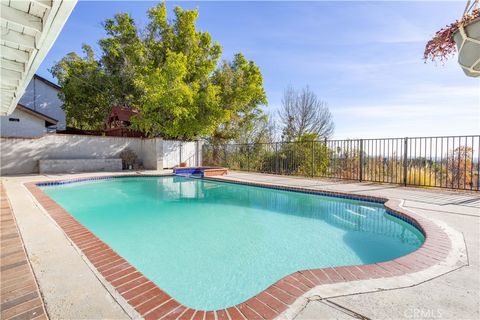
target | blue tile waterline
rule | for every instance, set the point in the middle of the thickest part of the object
(213, 244)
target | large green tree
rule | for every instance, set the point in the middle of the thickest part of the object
(170, 72)
(85, 89)
(241, 94)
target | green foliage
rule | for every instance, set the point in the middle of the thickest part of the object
(85, 90)
(179, 99)
(241, 92)
(170, 73)
(255, 130)
(306, 157)
(122, 52)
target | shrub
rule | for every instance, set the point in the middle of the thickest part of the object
(129, 158)
(420, 176)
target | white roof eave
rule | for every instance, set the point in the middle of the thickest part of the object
(28, 31)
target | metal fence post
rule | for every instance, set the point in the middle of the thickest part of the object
(197, 153)
(326, 153)
(360, 164)
(405, 166)
(180, 155)
(276, 157)
(313, 158)
(248, 157)
(225, 154)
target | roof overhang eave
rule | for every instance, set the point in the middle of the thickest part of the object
(14, 85)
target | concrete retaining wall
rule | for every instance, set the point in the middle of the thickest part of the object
(21, 155)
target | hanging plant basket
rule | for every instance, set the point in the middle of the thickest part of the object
(462, 36)
(467, 39)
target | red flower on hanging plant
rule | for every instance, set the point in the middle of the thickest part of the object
(442, 45)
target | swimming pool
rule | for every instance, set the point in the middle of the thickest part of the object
(212, 244)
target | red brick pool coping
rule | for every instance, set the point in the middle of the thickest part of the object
(20, 296)
(151, 302)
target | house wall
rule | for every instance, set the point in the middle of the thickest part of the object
(21, 155)
(43, 98)
(27, 126)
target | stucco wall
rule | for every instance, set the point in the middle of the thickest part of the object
(150, 156)
(27, 126)
(43, 98)
(175, 152)
(188, 153)
(171, 153)
(21, 155)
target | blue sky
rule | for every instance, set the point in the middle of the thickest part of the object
(363, 58)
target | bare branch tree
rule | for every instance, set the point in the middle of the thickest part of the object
(304, 113)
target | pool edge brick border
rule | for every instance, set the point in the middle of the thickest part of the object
(151, 302)
(20, 295)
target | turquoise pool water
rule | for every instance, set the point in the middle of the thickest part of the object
(211, 245)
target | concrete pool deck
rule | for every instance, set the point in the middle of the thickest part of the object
(451, 295)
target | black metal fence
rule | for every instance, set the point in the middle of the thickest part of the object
(444, 162)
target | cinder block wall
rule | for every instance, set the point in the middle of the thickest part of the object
(21, 155)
